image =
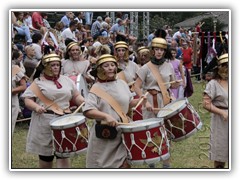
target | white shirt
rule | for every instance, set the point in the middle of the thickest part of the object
(67, 33)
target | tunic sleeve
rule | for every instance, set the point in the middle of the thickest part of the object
(91, 102)
(211, 89)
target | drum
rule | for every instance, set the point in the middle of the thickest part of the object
(70, 135)
(180, 119)
(81, 84)
(146, 141)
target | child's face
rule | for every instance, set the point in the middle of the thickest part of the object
(174, 54)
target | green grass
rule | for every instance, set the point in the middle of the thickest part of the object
(189, 153)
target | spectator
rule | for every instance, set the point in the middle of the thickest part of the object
(96, 27)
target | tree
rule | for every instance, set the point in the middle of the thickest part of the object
(209, 25)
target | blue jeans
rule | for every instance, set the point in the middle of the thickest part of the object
(24, 31)
(88, 18)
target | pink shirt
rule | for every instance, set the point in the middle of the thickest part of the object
(36, 17)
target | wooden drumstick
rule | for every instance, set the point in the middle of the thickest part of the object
(121, 123)
(79, 107)
(160, 109)
(131, 83)
(141, 100)
(171, 82)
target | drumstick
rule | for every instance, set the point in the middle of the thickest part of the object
(173, 82)
(79, 107)
(121, 123)
(131, 83)
(141, 100)
(160, 109)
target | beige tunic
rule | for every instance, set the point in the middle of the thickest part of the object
(107, 153)
(130, 69)
(219, 128)
(15, 101)
(39, 139)
(73, 68)
(149, 82)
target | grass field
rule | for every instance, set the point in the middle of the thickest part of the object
(189, 153)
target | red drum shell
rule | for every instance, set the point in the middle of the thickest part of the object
(182, 121)
(70, 135)
(146, 141)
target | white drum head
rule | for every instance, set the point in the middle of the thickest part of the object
(67, 121)
(172, 108)
(82, 86)
(142, 125)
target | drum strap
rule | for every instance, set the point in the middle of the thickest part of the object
(49, 103)
(122, 76)
(15, 70)
(112, 102)
(158, 77)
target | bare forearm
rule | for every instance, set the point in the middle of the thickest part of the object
(133, 103)
(211, 108)
(137, 87)
(22, 87)
(207, 104)
(79, 100)
(30, 104)
(18, 89)
(95, 114)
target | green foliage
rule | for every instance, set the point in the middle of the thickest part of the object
(209, 24)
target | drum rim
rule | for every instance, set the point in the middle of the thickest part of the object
(78, 80)
(156, 122)
(72, 153)
(176, 111)
(150, 160)
(68, 125)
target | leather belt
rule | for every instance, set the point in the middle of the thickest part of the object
(221, 107)
(154, 93)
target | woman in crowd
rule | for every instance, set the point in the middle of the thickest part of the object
(108, 152)
(58, 89)
(215, 100)
(159, 93)
(179, 72)
(129, 68)
(18, 85)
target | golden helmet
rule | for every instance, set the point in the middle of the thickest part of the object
(50, 58)
(105, 58)
(159, 42)
(71, 44)
(46, 59)
(98, 72)
(121, 44)
(223, 59)
(142, 49)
